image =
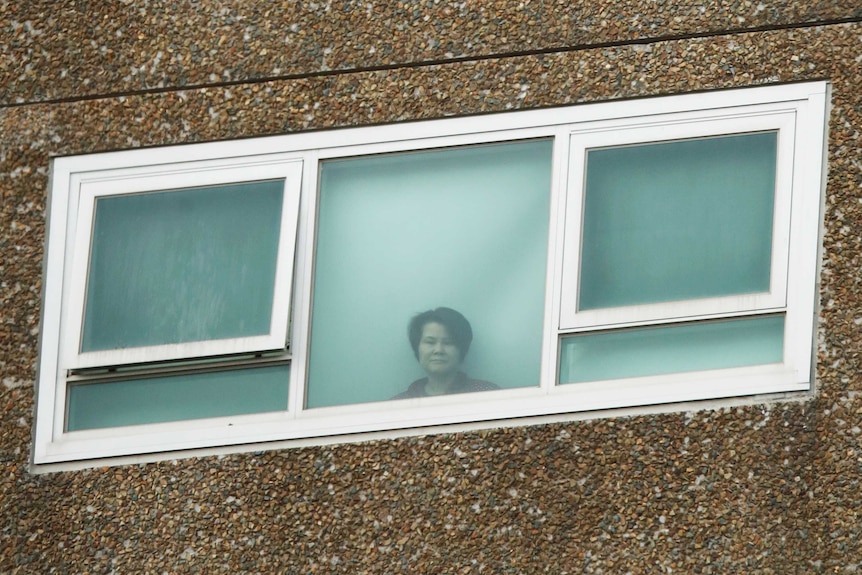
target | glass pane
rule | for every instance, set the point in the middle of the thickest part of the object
(400, 234)
(678, 220)
(183, 265)
(672, 349)
(178, 397)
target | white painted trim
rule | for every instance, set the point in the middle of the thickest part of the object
(805, 233)
(420, 413)
(304, 293)
(764, 401)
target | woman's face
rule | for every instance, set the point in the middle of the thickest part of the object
(438, 354)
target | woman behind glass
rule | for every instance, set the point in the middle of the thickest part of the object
(440, 339)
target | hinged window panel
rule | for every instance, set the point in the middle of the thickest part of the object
(184, 263)
(674, 218)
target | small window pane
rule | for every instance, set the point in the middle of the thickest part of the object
(178, 397)
(678, 220)
(400, 234)
(183, 265)
(672, 349)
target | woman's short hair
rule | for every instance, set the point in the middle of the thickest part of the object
(456, 324)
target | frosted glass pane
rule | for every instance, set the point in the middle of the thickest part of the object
(672, 349)
(678, 220)
(464, 228)
(178, 397)
(183, 265)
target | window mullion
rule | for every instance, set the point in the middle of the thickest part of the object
(302, 285)
(556, 255)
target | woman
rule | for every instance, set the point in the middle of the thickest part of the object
(441, 339)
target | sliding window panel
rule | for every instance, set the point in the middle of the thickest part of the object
(463, 228)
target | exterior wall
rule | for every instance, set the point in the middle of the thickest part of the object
(746, 487)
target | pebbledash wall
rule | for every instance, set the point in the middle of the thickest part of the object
(769, 485)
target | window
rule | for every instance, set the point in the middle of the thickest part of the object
(547, 262)
(191, 263)
(681, 223)
(393, 228)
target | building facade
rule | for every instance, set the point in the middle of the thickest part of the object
(757, 480)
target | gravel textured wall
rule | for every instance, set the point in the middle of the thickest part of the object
(53, 50)
(765, 488)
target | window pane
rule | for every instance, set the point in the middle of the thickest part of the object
(400, 234)
(178, 397)
(183, 265)
(678, 220)
(672, 349)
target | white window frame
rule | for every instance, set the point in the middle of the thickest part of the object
(800, 112)
(87, 188)
(676, 127)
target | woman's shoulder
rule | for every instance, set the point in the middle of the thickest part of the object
(467, 384)
(415, 389)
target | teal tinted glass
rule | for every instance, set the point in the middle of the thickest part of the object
(672, 349)
(184, 265)
(400, 234)
(678, 220)
(178, 397)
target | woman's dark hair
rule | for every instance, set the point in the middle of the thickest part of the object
(456, 324)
